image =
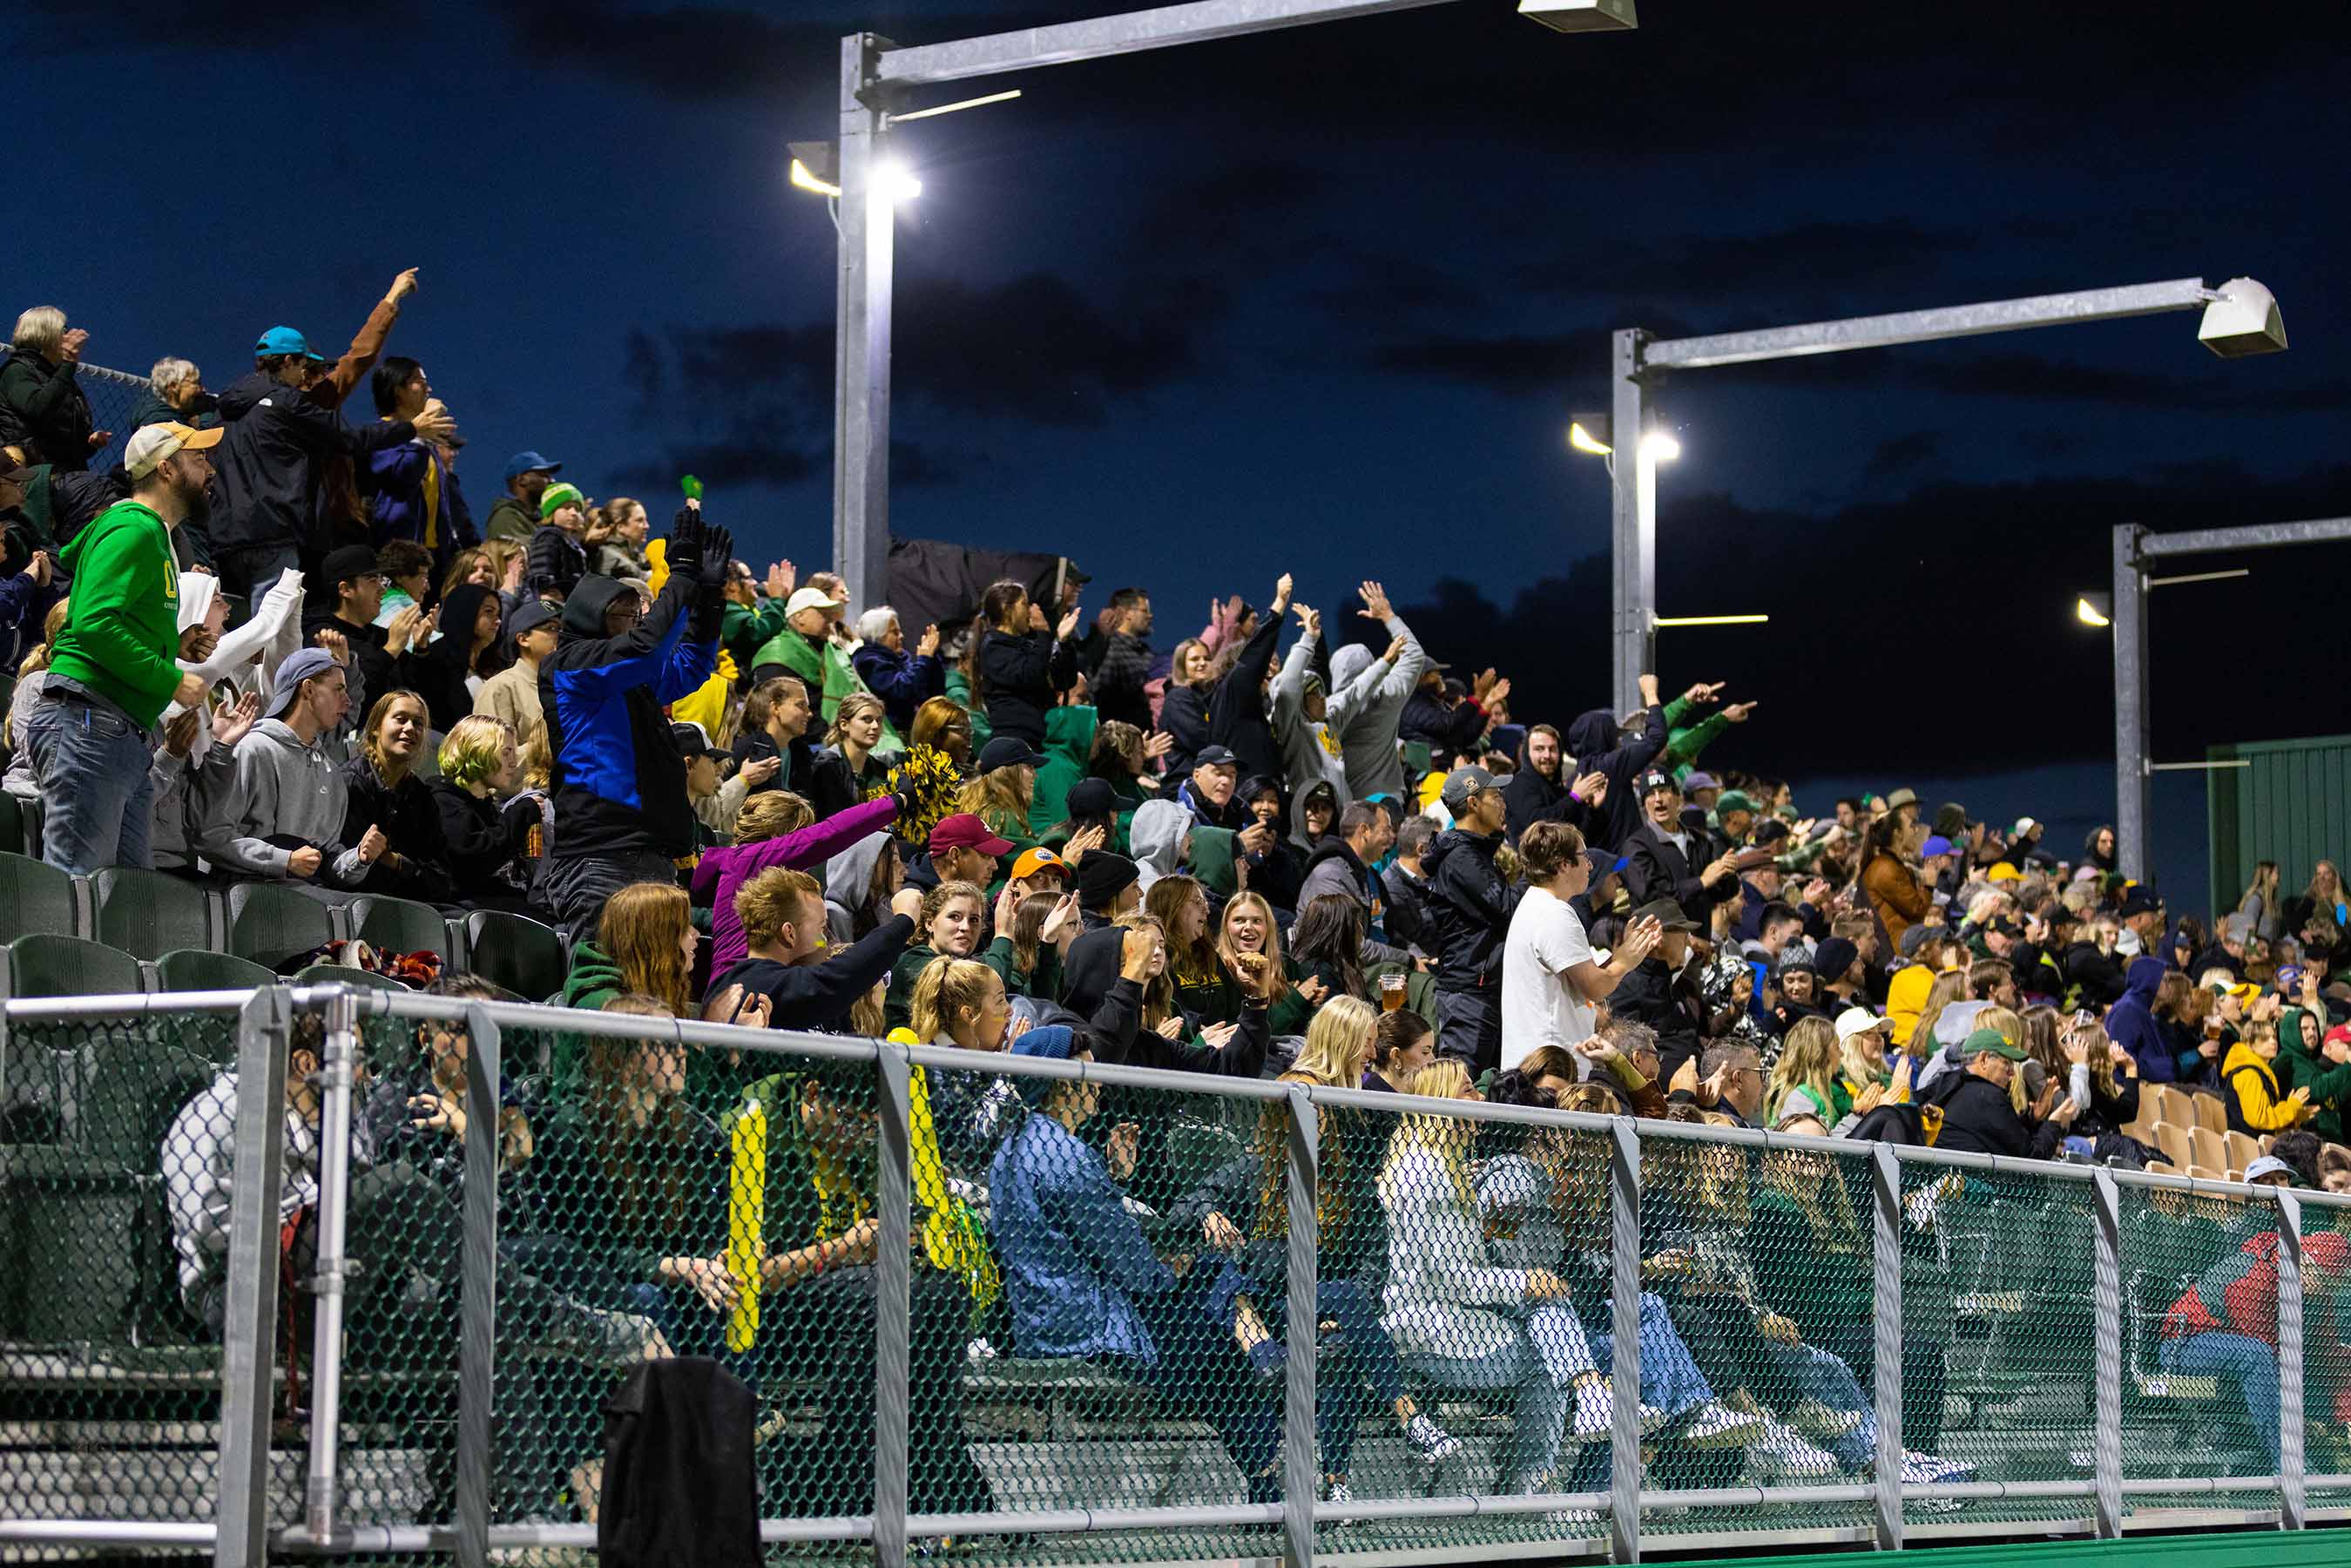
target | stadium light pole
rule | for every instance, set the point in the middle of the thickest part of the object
(873, 71)
(2240, 318)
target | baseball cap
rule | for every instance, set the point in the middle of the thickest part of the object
(1901, 798)
(2023, 826)
(284, 341)
(1729, 800)
(344, 564)
(1102, 876)
(811, 599)
(965, 832)
(2245, 991)
(2288, 980)
(1462, 783)
(1092, 798)
(154, 443)
(1654, 780)
(1990, 1042)
(1605, 862)
(693, 740)
(1665, 912)
(523, 463)
(1935, 846)
(1031, 862)
(531, 616)
(2268, 1164)
(1215, 757)
(2142, 899)
(1007, 751)
(2004, 872)
(556, 496)
(1856, 1020)
(1695, 780)
(301, 666)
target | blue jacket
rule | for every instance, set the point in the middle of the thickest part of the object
(1073, 1258)
(618, 782)
(2131, 1022)
(903, 681)
(393, 481)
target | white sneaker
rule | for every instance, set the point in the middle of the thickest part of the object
(1814, 1419)
(1715, 1425)
(1595, 1414)
(1928, 1469)
(1434, 1443)
(1784, 1456)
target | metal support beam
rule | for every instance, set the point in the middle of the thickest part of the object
(2251, 535)
(1097, 38)
(861, 423)
(478, 1306)
(893, 1307)
(337, 1074)
(1625, 1468)
(1301, 1474)
(1885, 1283)
(2292, 1486)
(248, 1336)
(1633, 479)
(2129, 630)
(2106, 1310)
(1927, 326)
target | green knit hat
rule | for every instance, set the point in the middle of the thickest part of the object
(556, 497)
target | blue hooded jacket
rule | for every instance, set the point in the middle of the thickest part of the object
(2131, 1022)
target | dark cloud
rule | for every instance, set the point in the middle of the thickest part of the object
(1039, 349)
(1899, 456)
(1375, 292)
(1513, 364)
(734, 461)
(1798, 261)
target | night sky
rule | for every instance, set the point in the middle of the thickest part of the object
(1324, 300)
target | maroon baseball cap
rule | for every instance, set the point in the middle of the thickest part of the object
(965, 832)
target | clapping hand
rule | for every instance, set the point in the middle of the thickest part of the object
(338, 646)
(1059, 919)
(1376, 603)
(1081, 842)
(1157, 745)
(927, 644)
(1218, 1035)
(1592, 789)
(1069, 622)
(1641, 940)
(230, 724)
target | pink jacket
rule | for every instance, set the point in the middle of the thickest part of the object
(721, 873)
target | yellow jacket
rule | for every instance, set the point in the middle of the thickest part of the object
(2253, 1086)
(1905, 993)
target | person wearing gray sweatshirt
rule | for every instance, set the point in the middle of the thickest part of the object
(1364, 717)
(279, 818)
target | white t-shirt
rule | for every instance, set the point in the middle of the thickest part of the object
(1539, 1008)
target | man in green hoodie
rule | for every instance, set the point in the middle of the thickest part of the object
(2314, 1056)
(115, 664)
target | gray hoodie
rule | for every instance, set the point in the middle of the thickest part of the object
(847, 876)
(1311, 751)
(1156, 836)
(1364, 718)
(278, 788)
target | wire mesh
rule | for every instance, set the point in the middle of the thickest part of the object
(2326, 1349)
(116, 1148)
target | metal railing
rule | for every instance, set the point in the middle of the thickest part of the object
(1991, 1284)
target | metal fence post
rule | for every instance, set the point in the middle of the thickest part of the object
(1624, 1327)
(1886, 1180)
(892, 1309)
(2106, 1441)
(1301, 1477)
(264, 1031)
(477, 1343)
(339, 1061)
(2291, 1488)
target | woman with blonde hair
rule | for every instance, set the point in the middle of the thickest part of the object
(1248, 926)
(773, 828)
(952, 916)
(958, 1002)
(488, 837)
(1184, 711)
(646, 942)
(1804, 1078)
(851, 772)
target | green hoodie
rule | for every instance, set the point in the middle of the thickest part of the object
(2297, 1065)
(122, 635)
(1068, 745)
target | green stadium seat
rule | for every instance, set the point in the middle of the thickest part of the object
(201, 970)
(12, 825)
(270, 924)
(43, 963)
(517, 952)
(400, 925)
(148, 914)
(34, 896)
(346, 975)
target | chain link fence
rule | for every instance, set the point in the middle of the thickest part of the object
(312, 1272)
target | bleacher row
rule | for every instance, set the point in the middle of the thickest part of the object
(2191, 1127)
(123, 932)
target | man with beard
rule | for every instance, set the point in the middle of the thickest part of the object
(1537, 792)
(114, 666)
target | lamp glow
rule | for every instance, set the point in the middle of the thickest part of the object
(2090, 615)
(1709, 620)
(894, 183)
(805, 179)
(1583, 440)
(1660, 447)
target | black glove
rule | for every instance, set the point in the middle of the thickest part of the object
(717, 562)
(684, 553)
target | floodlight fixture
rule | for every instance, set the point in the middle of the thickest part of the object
(1580, 15)
(2242, 320)
(816, 166)
(2095, 609)
(1660, 447)
(1591, 434)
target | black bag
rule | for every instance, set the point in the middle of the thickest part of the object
(679, 1488)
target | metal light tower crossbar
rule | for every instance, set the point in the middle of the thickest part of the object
(872, 68)
(2135, 550)
(2241, 318)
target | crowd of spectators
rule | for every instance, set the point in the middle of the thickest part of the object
(273, 645)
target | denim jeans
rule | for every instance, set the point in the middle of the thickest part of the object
(1670, 1379)
(97, 794)
(578, 886)
(2233, 1358)
(1543, 1399)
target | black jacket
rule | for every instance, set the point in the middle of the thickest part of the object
(1019, 678)
(1666, 1002)
(1528, 798)
(618, 781)
(44, 410)
(1237, 718)
(1470, 909)
(1599, 747)
(1661, 870)
(1184, 714)
(438, 674)
(417, 864)
(483, 838)
(1118, 681)
(681, 1482)
(371, 660)
(1448, 729)
(554, 563)
(1408, 901)
(818, 996)
(2101, 977)
(1977, 1117)
(270, 463)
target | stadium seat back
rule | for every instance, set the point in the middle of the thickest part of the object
(515, 952)
(2211, 1112)
(345, 974)
(271, 925)
(44, 964)
(2176, 1146)
(148, 914)
(400, 925)
(12, 825)
(34, 896)
(201, 970)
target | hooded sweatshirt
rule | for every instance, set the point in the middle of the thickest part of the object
(1158, 839)
(1365, 709)
(847, 877)
(1311, 754)
(2256, 1102)
(272, 462)
(123, 632)
(2297, 1066)
(281, 791)
(2131, 1023)
(1469, 910)
(1598, 746)
(618, 782)
(1068, 745)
